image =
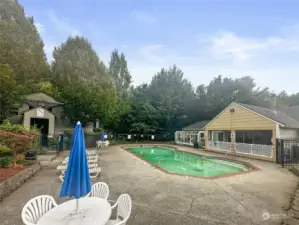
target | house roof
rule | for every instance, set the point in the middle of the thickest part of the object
(278, 115)
(292, 111)
(196, 126)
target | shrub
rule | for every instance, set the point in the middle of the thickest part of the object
(17, 139)
(17, 128)
(5, 151)
(20, 161)
(53, 142)
(6, 161)
(97, 130)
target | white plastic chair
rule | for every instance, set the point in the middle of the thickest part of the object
(106, 144)
(36, 208)
(99, 144)
(124, 207)
(100, 190)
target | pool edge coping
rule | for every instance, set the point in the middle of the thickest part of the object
(254, 168)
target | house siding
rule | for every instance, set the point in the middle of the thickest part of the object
(288, 133)
(242, 119)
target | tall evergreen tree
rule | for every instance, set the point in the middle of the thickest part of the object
(20, 44)
(119, 73)
(9, 94)
(76, 60)
(170, 92)
(83, 82)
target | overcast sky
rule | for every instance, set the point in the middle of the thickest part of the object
(204, 38)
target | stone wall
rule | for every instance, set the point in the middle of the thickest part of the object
(293, 213)
(12, 183)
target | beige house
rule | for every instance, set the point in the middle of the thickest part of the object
(42, 111)
(251, 131)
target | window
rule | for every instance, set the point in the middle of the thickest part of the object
(239, 136)
(220, 136)
(224, 136)
(214, 136)
(248, 137)
(262, 137)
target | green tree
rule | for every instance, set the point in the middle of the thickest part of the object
(9, 94)
(76, 61)
(20, 44)
(146, 119)
(120, 75)
(83, 83)
(221, 91)
(169, 92)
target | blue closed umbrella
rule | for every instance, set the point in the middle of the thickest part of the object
(76, 181)
(102, 137)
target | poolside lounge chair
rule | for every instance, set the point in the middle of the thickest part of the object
(94, 171)
(91, 152)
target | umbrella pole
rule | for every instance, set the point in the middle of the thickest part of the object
(77, 206)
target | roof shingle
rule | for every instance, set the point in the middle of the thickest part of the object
(196, 126)
(277, 115)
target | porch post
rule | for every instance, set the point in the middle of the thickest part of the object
(275, 137)
(206, 139)
(233, 142)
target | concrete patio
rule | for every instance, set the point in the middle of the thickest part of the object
(160, 199)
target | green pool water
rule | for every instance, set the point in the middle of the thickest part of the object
(187, 164)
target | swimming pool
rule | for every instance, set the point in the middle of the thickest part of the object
(184, 163)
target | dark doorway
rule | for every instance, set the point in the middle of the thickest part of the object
(43, 125)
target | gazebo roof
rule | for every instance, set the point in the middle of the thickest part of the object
(41, 99)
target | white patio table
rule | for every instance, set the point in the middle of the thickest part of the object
(92, 211)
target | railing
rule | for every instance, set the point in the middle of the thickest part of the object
(287, 153)
(183, 143)
(220, 145)
(254, 149)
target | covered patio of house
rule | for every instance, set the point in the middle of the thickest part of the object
(249, 142)
(188, 137)
(191, 134)
(238, 130)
